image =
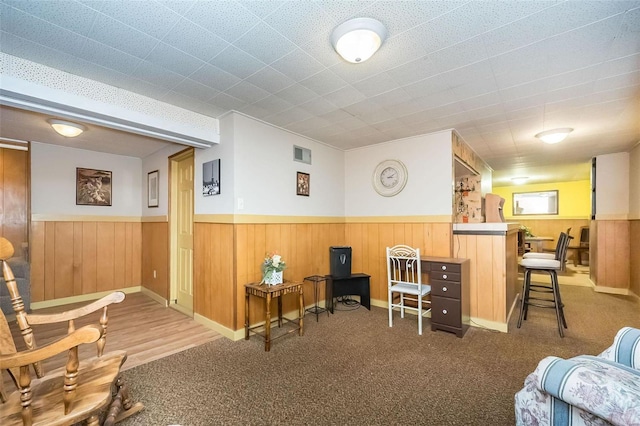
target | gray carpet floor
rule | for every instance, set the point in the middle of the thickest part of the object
(352, 369)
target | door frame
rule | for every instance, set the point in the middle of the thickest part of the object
(173, 256)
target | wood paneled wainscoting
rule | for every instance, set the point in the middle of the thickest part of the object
(552, 228)
(634, 256)
(79, 256)
(155, 255)
(228, 254)
(370, 240)
(611, 248)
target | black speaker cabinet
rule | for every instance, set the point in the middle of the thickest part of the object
(340, 261)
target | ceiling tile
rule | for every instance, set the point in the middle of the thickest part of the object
(108, 57)
(296, 94)
(227, 19)
(195, 90)
(318, 106)
(212, 76)
(173, 59)
(237, 62)
(157, 75)
(247, 92)
(145, 16)
(323, 82)
(72, 16)
(273, 104)
(122, 37)
(195, 40)
(376, 85)
(227, 102)
(301, 22)
(270, 80)
(264, 43)
(261, 8)
(297, 65)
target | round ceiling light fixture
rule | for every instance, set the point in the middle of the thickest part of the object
(519, 180)
(66, 128)
(358, 39)
(555, 135)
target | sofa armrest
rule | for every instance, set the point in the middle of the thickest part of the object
(599, 386)
(625, 349)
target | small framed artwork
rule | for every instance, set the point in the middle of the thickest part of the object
(93, 187)
(152, 188)
(211, 178)
(302, 184)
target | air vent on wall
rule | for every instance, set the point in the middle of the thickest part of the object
(301, 154)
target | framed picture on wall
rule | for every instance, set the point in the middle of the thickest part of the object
(302, 184)
(152, 188)
(211, 178)
(93, 187)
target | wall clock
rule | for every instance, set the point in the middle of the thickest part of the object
(389, 177)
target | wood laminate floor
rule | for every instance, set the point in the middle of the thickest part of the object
(142, 327)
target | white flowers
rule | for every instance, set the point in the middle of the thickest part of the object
(275, 260)
(272, 263)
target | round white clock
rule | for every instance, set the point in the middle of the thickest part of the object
(389, 177)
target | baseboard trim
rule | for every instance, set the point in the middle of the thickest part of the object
(612, 290)
(81, 298)
(155, 296)
(491, 325)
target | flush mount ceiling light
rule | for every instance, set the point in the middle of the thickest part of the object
(358, 39)
(555, 135)
(519, 180)
(66, 128)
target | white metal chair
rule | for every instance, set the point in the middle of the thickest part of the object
(405, 278)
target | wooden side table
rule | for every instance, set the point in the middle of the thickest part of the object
(269, 292)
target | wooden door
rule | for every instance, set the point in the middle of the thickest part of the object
(14, 198)
(182, 229)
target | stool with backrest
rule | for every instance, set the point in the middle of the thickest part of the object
(550, 256)
(404, 274)
(550, 266)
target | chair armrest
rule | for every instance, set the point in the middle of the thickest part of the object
(87, 334)
(115, 297)
(609, 390)
(625, 348)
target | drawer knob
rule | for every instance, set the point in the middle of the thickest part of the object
(444, 267)
(444, 289)
(444, 311)
(444, 276)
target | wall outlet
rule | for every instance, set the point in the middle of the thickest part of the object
(240, 203)
(155, 274)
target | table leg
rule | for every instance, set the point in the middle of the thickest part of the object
(280, 312)
(316, 296)
(246, 316)
(267, 325)
(301, 313)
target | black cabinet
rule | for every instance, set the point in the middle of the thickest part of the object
(355, 284)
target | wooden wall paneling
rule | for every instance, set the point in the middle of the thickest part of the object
(49, 260)
(89, 257)
(499, 273)
(14, 197)
(242, 244)
(136, 249)
(129, 256)
(593, 252)
(377, 263)
(485, 276)
(622, 249)
(119, 251)
(36, 256)
(513, 286)
(77, 258)
(63, 257)
(201, 272)
(442, 239)
(215, 286)
(106, 255)
(634, 257)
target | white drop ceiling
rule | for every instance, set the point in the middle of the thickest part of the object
(497, 71)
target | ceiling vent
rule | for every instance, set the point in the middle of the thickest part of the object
(301, 154)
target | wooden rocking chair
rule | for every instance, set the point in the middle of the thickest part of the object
(90, 391)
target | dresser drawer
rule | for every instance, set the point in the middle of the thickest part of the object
(445, 267)
(445, 289)
(445, 276)
(446, 311)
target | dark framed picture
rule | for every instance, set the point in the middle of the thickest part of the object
(302, 184)
(211, 178)
(93, 187)
(152, 188)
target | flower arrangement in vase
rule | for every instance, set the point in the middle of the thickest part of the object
(272, 268)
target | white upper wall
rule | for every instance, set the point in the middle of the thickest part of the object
(222, 203)
(159, 161)
(53, 181)
(612, 186)
(634, 183)
(429, 189)
(264, 171)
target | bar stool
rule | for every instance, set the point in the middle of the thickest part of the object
(550, 266)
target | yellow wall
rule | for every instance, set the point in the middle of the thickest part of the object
(574, 199)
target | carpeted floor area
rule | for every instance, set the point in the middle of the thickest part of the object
(352, 369)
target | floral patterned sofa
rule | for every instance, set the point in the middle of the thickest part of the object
(585, 390)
